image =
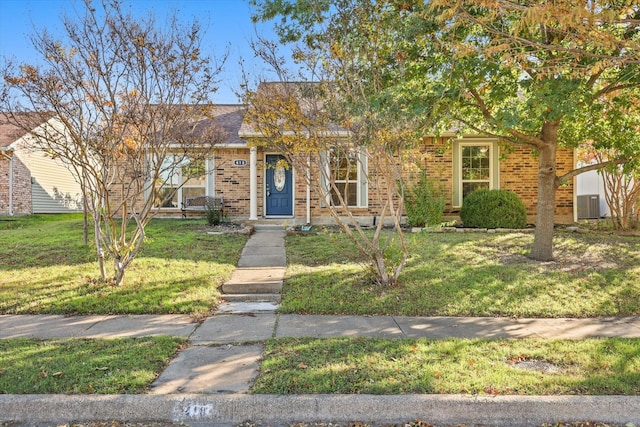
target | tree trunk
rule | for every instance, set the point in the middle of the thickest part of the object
(542, 249)
(380, 266)
(99, 250)
(120, 268)
(85, 213)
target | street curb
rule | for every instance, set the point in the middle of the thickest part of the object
(194, 409)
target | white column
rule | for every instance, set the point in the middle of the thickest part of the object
(253, 183)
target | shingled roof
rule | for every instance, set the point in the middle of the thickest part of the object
(228, 119)
(10, 133)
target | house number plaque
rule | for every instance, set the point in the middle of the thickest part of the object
(240, 162)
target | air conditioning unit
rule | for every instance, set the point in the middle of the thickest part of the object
(589, 206)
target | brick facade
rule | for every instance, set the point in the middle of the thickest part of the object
(232, 181)
(517, 172)
(21, 187)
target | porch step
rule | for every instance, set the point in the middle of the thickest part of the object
(268, 227)
(252, 287)
(266, 297)
(256, 284)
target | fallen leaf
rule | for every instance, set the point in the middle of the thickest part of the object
(302, 365)
(43, 374)
(58, 374)
(104, 368)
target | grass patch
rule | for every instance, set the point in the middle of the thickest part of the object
(469, 274)
(46, 268)
(74, 366)
(478, 366)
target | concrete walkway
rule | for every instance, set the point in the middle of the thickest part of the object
(207, 383)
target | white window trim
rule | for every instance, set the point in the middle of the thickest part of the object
(362, 184)
(494, 169)
(209, 187)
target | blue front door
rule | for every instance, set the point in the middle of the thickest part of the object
(279, 187)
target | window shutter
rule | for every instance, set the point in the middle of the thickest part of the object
(363, 179)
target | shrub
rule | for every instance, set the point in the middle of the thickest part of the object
(493, 209)
(214, 214)
(424, 203)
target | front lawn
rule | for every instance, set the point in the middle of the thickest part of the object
(489, 367)
(469, 274)
(46, 268)
(73, 366)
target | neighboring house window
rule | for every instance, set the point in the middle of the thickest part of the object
(475, 168)
(347, 169)
(188, 179)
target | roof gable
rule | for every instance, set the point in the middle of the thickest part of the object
(10, 133)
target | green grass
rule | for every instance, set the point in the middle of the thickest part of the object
(382, 366)
(46, 268)
(469, 274)
(75, 366)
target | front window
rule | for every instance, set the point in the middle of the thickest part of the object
(476, 168)
(343, 169)
(180, 179)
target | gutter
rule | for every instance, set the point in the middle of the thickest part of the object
(8, 154)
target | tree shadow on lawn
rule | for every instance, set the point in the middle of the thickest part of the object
(469, 274)
(59, 243)
(195, 294)
(461, 290)
(108, 366)
(476, 366)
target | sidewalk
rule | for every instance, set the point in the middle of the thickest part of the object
(243, 328)
(207, 383)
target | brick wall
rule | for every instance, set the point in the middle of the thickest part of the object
(518, 172)
(233, 182)
(21, 187)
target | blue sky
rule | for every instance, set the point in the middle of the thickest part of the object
(226, 23)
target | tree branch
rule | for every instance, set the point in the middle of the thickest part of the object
(595, 166)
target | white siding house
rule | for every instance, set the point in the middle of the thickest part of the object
(36, 182)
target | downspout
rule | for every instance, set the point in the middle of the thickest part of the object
(308, 189)
(8, 154)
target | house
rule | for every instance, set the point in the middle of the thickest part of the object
(247, 173)
(246, 184)
(30, 180)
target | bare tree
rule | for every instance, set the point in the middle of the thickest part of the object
(350, 155)
(130, 99)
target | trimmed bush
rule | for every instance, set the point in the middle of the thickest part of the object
(493, 209)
